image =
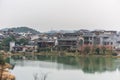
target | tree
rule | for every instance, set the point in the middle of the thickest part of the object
(5, 43)
(97, 50)
(22, 41)
(103, 50)
(87, 49)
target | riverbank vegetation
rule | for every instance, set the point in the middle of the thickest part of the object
(57, 54)
(83, 51)
(4, 45)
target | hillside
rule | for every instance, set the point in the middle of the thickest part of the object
(23, 29)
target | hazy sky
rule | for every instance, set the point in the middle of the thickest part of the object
(45, 15)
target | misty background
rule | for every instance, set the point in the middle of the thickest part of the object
(46, 15)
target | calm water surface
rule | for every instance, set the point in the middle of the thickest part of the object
(67, 68)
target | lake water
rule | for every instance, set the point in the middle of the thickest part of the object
(67, 68)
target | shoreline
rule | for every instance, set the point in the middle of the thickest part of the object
(63, 54)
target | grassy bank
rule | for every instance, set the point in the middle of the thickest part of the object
(62, 53)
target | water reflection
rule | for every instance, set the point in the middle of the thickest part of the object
(86, 64)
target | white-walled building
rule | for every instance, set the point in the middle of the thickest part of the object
(12, 44)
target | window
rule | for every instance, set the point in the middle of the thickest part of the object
(90, 38)
(111, 43)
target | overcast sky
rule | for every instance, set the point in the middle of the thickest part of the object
(45, 15)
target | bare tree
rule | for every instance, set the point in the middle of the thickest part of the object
(40, 76)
